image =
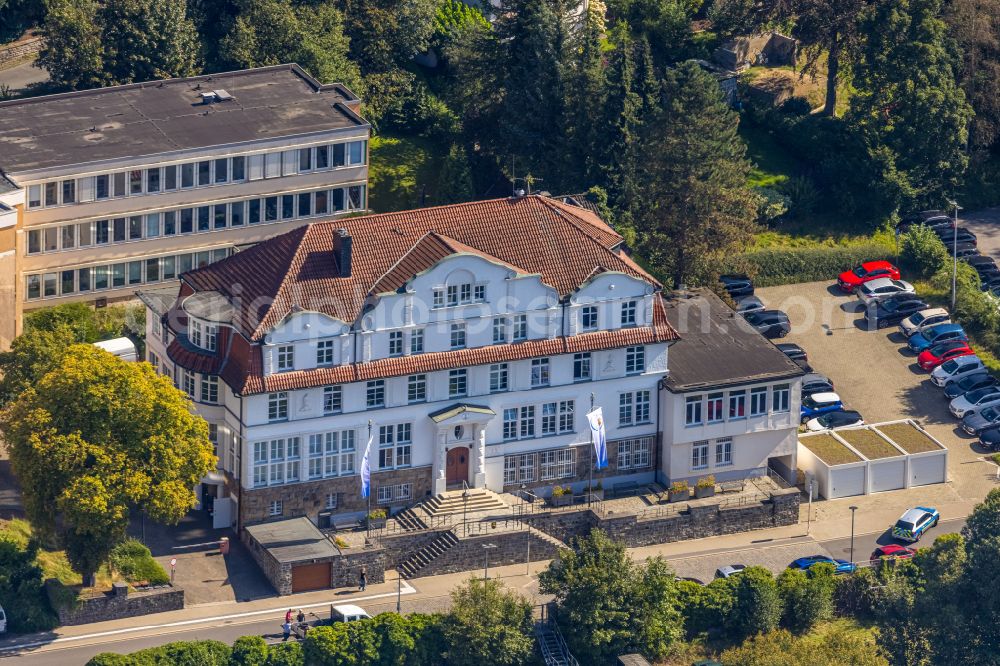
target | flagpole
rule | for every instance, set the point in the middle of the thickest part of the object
(368, 516)
(590, 483)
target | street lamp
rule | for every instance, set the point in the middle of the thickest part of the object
(486, 570)
(465, 512)
(853, 509)
(954, 253)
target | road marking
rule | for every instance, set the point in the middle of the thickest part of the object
(406, 588)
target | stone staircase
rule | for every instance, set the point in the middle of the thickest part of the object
(413, 564)
(409, 520)
(548, 538)
(478, 501)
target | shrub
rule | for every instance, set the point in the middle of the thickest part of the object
(921, 251)
(807, 598)
(774, 266)
(180, 653)
(704, 607)
(377, 514)
(21, 591)
(772, 204)
(285, 654)
(803, 194)
(679, 487)
(706, 482)
(135, 563)
(796, 106)
(756, 603)
(249, 651)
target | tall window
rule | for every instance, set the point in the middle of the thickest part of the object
(581, 367)
(634, 453)
(277, 406)
(738, 405)
(499, 380)
(416, 388)
(196, 333)
(458, 336)
(780, 397)
(189, 383)
(635, 360)
(699, 455)
(417, 341)
(633, 408)
(324, 352)
(457, 383)
(394, 444)
(588, 318)
(510, 424)
(692, 410)
(724, 451)
(276, 461)
(758, 401)
(526, 421)
(520, 328)
(286, 358)
(558, 464)
(375, 393)
(628, 313)
(519, 469)
(396, 343)
(210, 388)
(539, 372)
(714, 405)
(333, 399)
(499, 330)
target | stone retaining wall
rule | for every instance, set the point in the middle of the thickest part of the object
(111, 607)
(470, 555)
(19, 49)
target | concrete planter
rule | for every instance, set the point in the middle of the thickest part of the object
(597, 494)
(376, 523)
(705, 491)
(679, 495)
(561, 500)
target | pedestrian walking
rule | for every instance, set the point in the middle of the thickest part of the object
(301, 617)
(288, 615)
(286, 630)
(363, 580)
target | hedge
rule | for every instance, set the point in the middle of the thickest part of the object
(775, 266)
(135, 563)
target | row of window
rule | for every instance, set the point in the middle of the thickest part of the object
(632, 454)
(114, 276)
(711, 408)
(190, 175)
(723, 453)
(550, 418)
(199, 219)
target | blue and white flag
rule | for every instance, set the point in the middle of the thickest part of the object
(366, 469)
(599, 436)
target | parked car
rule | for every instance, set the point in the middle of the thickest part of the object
(963, 249)
(955, 369)
(984, 419)
(923, 320)
(947, 236)
(348, 613)
(796, 353)
(891, 551)
(729, 570)
(838, 419)
(980, 260)
(737, 285)
(990, 438)
(931, 358)
(848, 281)
(819, 403)
(882, 288)
(3, 621)
(892, 311)
(914, 523)
(815, 383)
(987, 271)
(935, 336)
(969, 383)
(770, 323)
(840, 566)
(973, 401)
(749, 304)
(991, 283)
(929, 218)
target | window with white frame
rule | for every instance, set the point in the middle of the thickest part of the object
(737, 405)
(324, 352)
(519, 469)
(588, 318)
(558, 464)
(400, 492)
(557, 417)
(417, 341)
(416, 388)
(395, 343)
(499, 330)
(692, 410)
(383, 494)
(275, 508)
(438, 301)
(375, 393)
(714, 408)
(331, 454)
(331, 501)
(633, 408)
(333, 399)
(286, 358)
(276, 461)
(188, 387)
(499, 377)
(510, 424)
(635, 360)
(634, 453)
(195, 332)
(277, 406)
(210, 388)
(457, 333)
(758, 401)
(724, 451)
(519, 326)
(539, 372)
(394, 442)
(628, 313)
(581, 367)
(699, 455)
(458, 383)
(780, 397)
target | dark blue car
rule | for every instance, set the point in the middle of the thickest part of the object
(936, 335)
(840, 566)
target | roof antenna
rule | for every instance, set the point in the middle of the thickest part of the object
(529, 180)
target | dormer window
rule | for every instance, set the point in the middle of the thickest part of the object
(286, 358)
(628, 313)
(459, 294)
(202, 334)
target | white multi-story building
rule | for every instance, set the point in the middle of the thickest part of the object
(471, 339)
(730, 408)
(105, 191)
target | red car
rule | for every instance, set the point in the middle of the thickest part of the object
(938, 354)
(850, 280)
(893, 550)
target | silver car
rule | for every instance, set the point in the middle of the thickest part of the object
(975, 400)
(877, 290)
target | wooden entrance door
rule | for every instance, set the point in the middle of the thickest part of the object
(457, 465)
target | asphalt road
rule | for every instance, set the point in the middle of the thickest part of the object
(864, 544)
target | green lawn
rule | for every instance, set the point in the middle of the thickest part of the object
(402, 170)
(773, 164)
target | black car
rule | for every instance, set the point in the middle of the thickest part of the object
(816, 383)
(796, 353)
(990, 439)
(977, 261)
(769, 323)
(892, 312)
(963, 250)
(976, 380)
(987, 272)
(841, 417)
(737, 285)
(929, 218)
(947, 236)
(749, 304)
(990, 283)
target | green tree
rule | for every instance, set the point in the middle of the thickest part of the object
(807, 598)
(756, 603)
(30, 358)
(839, 646)
(455, 179)
(609, 605)
(148, 39)
(21, 593)
(488, 623)
(249, 651)
(624, 108)
(921, 251)
(88, 324)
(975, 26)
(72, 45)
(696, 205)
(908, 105)
(95, 437)
(586, 85)
(341, 644)
(666, 24)
(285, 654)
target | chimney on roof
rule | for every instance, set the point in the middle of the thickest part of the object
(344, 252)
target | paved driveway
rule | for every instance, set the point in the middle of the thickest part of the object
(986, 225)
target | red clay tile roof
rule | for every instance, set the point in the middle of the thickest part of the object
(562, 243)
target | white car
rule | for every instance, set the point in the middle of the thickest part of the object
(975, 400)
(729, 570)
(924, 319)
(348, 613)
(3, 621)
(955, 369)
(876, 290)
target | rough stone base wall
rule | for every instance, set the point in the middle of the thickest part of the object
(19, 49)
(108, 607)
(564, 526)
(346, 569)
(469, 554)
(398, 547)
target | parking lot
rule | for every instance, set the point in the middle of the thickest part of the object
(875, 374)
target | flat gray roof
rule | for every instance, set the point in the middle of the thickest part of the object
(165, 116)
(717, 347)
(292, 540)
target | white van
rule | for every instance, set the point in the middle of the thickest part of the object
(123, 348)
(348, 613)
